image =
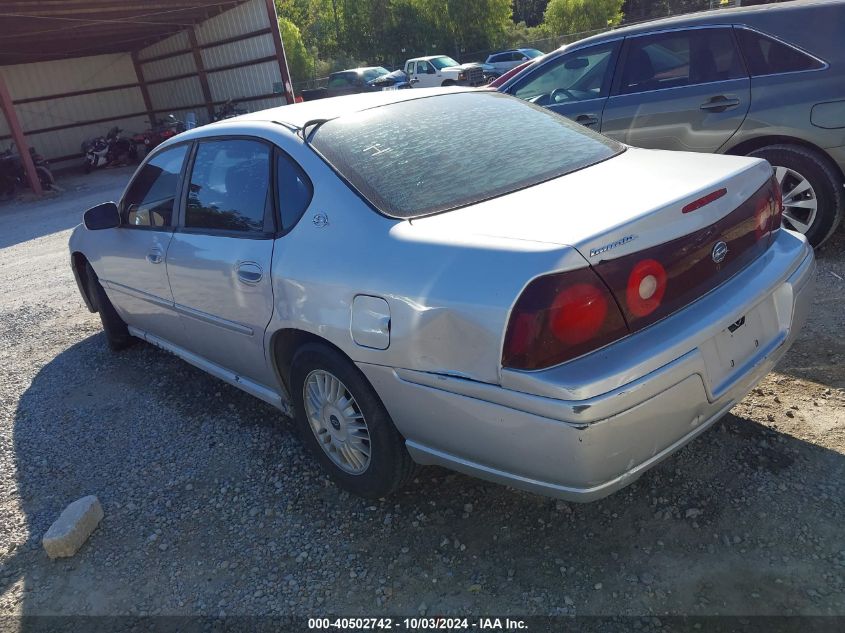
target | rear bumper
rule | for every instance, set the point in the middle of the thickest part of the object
(585, 429)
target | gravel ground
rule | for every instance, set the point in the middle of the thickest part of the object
(212, 507)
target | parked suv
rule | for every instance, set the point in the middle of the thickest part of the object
(503, 61)
(736, 81)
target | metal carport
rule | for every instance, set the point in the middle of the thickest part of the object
(70, 68)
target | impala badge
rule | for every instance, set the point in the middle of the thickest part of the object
(320, 220)
(719, 252)
(607, 247)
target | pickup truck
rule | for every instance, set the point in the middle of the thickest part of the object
(347, 82)
(441, 70)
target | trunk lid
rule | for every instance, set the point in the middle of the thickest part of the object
(636, 219)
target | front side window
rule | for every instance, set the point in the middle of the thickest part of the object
(229, 186)
(150, 199)
(766, 56)
(680, 58)
(575, 76)
(424, 68)
(432, 154)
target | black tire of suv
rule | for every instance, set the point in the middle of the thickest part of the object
(117, 334)
(391, 466)
(824, 179)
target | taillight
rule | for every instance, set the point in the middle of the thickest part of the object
(777, 216)
(560, 317)
(646, 287)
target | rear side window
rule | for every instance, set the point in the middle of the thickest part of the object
(766, 56)
(229, 186)
(431, 154)
(294, 190)
(680, 58)
(149, 200)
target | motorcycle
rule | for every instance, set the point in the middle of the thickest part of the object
(13, 173)
(110, 150)
(163, 129)
(228, 111)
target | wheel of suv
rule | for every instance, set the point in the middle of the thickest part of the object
(344, 424)
(117, 334)
(812, 190)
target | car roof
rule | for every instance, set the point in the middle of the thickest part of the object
(734, 15)
(296, 115)
(426, 58)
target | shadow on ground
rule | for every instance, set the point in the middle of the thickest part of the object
(212, 508)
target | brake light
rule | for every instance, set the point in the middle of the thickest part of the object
(704, 200)
(646, 287)
(560, 317)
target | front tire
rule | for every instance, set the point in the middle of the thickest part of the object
(344, 424)
(813, 200)
(448, 83)
(117, 334)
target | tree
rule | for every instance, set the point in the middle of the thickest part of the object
(579, 16)
(300, 63)
(529, 11)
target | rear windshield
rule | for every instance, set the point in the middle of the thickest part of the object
(432, 154)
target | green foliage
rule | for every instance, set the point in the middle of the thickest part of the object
(327, 35)
(300, 63)
(578, 16)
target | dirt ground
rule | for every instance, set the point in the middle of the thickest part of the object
(212, 507)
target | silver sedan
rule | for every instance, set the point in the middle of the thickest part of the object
(457, 278)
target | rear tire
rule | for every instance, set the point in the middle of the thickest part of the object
(117, 334)
(379, 464)
(794, 163)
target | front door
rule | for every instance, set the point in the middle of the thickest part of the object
(680, 90)
(131, 266)
(219, 260)
(575, 85)
(426, 76)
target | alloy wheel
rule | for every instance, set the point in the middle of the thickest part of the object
(800, 205)
(337, 421)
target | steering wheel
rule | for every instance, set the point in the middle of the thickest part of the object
(553, 96)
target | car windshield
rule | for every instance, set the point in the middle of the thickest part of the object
(531, 53)
(443, 62)
(432, 154)
(372, 73)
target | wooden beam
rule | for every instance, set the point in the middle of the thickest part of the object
(203, 77)
(287, 86)
(145, 93)
(75, 93)
(17, 134)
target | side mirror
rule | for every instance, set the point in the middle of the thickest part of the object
(103, 216)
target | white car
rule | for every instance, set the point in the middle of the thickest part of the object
(440, 70)
(514, 296)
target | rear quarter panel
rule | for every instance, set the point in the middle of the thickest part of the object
(449, 295)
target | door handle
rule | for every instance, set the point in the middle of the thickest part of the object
(586, 119)
(249, 272)
(720, 103)
(154, 257)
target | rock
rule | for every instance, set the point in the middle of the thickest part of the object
(468, 508)
(73, 527)
(789, 413)
(646, 578)
(422, 608)
(692, 513)
(568, 601)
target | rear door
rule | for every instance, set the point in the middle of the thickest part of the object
(131, 264)
(219, 259)
(680, 90)
(576, 84)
